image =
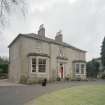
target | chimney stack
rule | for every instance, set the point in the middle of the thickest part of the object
(59, 36)
(41, 31)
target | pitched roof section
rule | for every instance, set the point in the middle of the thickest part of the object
(48, 40)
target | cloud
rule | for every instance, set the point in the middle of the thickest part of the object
(82, 22)
(72, 1)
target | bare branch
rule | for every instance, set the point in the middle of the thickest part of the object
(8, 6)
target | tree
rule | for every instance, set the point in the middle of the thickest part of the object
(103, 53)
(4, 65)
(92, 68)
(8, 6)
(4, 60)
(3, 68)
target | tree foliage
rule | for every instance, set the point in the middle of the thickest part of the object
(4, 60)
(3, 68)
(4, 65)
(92, 68)
(103, 53)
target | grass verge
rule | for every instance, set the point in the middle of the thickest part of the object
(79, 95)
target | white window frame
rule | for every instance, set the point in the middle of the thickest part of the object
(80, 73)
(37, 68)
(76, 68)
(81, 68)
(42, 65)
(31, 64)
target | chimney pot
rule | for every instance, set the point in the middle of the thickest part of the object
(41, 30)
(59, 36)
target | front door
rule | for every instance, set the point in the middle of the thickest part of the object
(61, 70)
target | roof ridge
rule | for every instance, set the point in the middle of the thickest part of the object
(46, 39)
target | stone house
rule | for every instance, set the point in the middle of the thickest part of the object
(36, 57)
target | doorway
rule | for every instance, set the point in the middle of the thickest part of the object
(61, 70)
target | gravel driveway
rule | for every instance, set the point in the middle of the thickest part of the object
(20, 94)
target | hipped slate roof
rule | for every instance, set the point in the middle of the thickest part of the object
(45, 39)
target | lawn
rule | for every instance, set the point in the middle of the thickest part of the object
(78, 95)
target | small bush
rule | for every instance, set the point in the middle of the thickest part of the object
(3, 68)
(76, 79)
(3, 75)
(58, 78)
(103, 76)
(34, 80)
(23, 79)
(67, 78)
(30, 81)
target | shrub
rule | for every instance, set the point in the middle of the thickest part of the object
(3, 75)
(23, 79)
(3, 68)
(58, 78)
(31, 81)
(67, 77)
(103, 76)
(34, 80)
(76, 78)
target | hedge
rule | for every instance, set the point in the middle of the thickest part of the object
(3, 68)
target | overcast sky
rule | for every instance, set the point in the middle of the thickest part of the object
(82, 23)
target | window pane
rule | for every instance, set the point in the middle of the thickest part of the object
(42, 65)
(82, 68)
(34, 67)
(33, 64)
(77, 68)
(40, 61)
(44, 61)
(33, 70)
(34, 61)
